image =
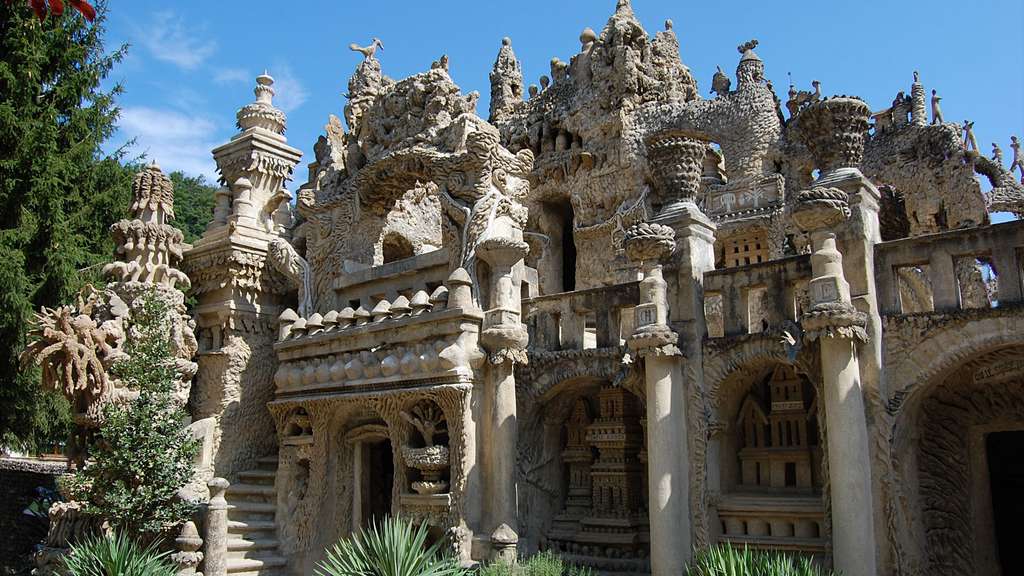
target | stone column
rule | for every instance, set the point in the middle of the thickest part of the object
(217, 530)
(835, 130)
(676, 163)
(504, 336)
(834, 321)
(668, 468)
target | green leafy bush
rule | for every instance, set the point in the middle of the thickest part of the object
(392, 547)
(144, 454)
(541, 564)
(116, 555)
(725, 560)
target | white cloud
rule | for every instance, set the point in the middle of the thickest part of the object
(232, 76)
(289, 93)
(176, 141)
(168, 39)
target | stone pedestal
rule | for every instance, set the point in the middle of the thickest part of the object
(216, 556)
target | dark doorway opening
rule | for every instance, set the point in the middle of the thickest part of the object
(568, 249)
(1006, 474)
(381, 467)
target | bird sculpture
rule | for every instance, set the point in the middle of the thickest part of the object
(367, 51)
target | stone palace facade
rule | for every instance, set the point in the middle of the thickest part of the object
(620, 319)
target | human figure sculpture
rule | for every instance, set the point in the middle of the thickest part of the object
(1017, 163)
(367, 51)
(970, 142)
(997, 154)
(936, 110)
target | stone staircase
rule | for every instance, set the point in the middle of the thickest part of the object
(252, 532)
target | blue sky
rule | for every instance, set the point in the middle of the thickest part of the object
(192, 63)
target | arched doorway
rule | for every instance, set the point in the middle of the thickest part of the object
(373, 474)
(965, 439)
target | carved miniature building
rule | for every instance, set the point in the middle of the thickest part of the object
(621, 319)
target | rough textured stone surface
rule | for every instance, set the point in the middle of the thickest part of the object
(619, 319)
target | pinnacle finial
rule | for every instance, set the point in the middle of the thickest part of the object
(506, 41)
(747, 46)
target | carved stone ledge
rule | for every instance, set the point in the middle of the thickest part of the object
(654, 340)
(836, 320)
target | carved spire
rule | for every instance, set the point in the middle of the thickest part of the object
(750, 70)
(506, 82)
(262, 113)
(152, 196)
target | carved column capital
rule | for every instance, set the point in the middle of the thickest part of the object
(676, 162)
(834, 131)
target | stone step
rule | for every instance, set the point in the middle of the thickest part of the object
(265, 477)
(246, 490)
(238, 527)
(255, 565)
(251, 544)
(267, 463)
(251, 507)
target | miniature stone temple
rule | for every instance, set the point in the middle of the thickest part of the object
(622, 318)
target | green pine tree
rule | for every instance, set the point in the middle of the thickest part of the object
(193, 204)
(143, 454)
(59, 193)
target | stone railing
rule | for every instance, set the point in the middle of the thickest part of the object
(773, 521)
(388, 281)
(748, 299)
(426, 337)
(595, 318)
(938, 270)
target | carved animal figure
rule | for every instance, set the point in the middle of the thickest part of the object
(803, 98)
(367, 51)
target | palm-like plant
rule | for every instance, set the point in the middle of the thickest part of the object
(392, 547)
(116, 555)
(725, 560)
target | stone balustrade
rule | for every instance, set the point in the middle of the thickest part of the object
(433, 335)
(935, 258)
(595, 318)
(744, 300)
(771, 521)
(387, 281)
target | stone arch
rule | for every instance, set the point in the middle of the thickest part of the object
(733, 377)
(920, 365)
(934, 479)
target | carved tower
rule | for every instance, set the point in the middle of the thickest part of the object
(239, 293)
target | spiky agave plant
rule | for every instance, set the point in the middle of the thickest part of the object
(391, 547)
(116, 555)
(725, 560)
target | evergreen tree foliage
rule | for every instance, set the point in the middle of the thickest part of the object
(144, 454)
(59, 193)
(193, 204)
